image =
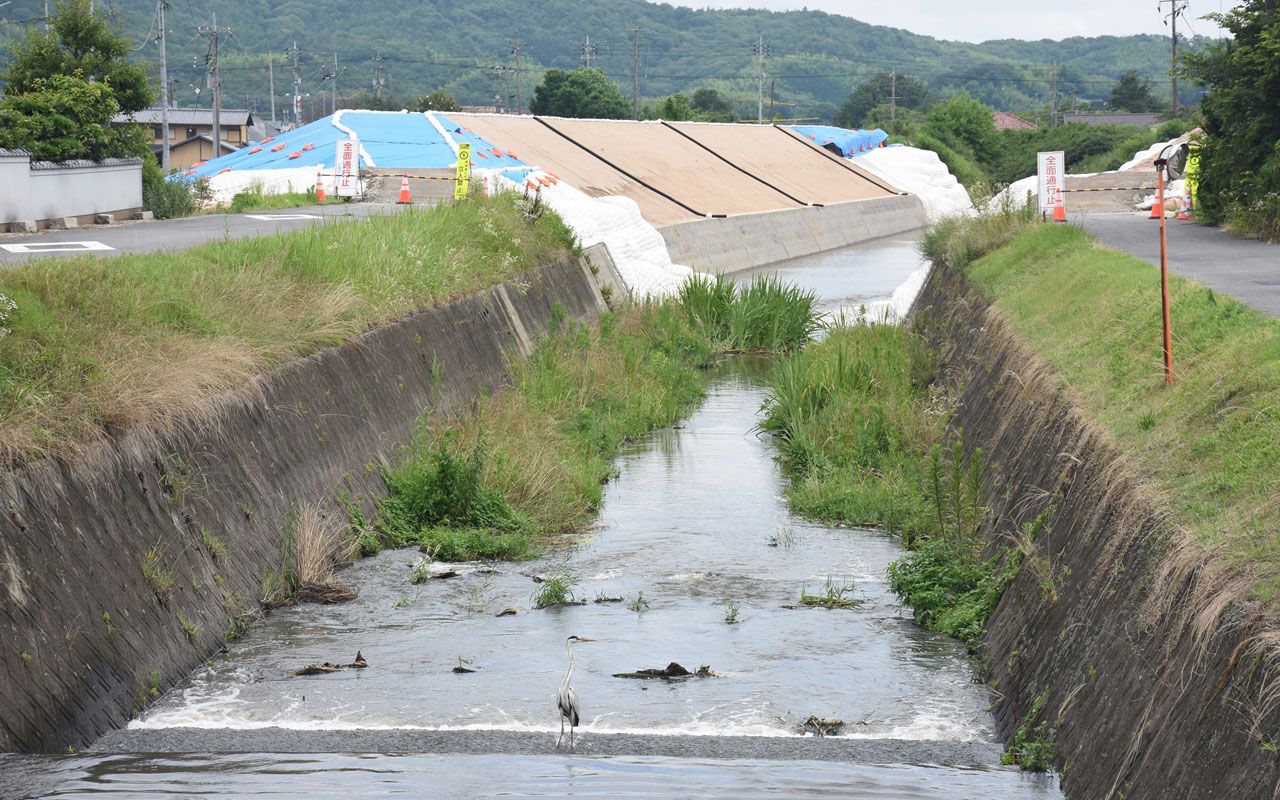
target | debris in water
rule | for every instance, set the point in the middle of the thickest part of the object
(822, 726)
(602, 598)
(507, 612)
(448, 573)
(671, 671)
(326, 668)
(463, 668)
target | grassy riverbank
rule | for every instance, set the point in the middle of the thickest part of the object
(528, 463)
(97, 345)
(1211, 442)
(861, 427)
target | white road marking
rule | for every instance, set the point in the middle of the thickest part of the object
(268, 217)
(55, 247)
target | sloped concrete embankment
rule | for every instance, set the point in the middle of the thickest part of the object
(735, 243)
(111, 589)
(1149, 678)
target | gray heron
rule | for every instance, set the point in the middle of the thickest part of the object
(567, 698)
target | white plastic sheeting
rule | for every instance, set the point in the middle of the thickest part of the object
(638, 250)
(271, 181)
(923, 174)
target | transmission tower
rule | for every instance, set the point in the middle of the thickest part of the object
(761, 51)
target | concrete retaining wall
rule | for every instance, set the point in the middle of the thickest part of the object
(1156, 686)
(731, 244)
(101, 561)
(42, 190)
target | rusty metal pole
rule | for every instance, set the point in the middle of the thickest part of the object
(1164, 275)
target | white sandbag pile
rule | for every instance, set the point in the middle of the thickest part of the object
(638, 250)
(923, 174)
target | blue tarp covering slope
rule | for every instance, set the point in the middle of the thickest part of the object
(391, 140)
(850, 143)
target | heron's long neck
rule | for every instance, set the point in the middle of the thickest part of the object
(568, 674)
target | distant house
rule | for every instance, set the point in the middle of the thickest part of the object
(1012, 122)
(1113, 118)
(191, 132)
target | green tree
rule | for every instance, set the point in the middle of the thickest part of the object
(436, 101)
(675, 108)
(880, 90)
(79, 43)
(583, 92)
(967, 124)
(1133, 93)
(1240, 152)
(368, 100)
(712, 106)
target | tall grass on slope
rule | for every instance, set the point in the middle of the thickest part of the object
(1211, 441)
(98, 345)
(528, 463)
(854, 421)
(860, 431)
(959, 241)
(764, 314)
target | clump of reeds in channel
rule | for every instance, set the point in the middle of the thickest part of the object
(763, 314)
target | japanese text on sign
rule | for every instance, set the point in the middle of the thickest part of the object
(347, 171)
(1051, 175)
(462, 180)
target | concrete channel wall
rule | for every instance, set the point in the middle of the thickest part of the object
(41, 190)
(1156, 686)
(111, 588)
(732, 244)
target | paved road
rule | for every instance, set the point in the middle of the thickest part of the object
(177, 234)
(1246, 269)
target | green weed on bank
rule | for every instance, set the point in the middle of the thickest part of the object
(97, 345)
(1211, 442)
(860, 430)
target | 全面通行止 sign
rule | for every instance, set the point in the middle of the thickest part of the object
(1051, 174)
(347, 168)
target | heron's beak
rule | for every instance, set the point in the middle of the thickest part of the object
(587, 639)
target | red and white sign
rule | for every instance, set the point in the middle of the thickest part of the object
(347, 172)
(1051, 172)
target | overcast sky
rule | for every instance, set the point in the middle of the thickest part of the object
(979, 20)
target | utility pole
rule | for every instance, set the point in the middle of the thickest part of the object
(635, 72)
(377, 75)
(46, 16)
(760, 54)
(1176, 7)
(516, 45)
(271, 85)
(1053, 107)
(164, 91)
(215, 80)
(893, 97)
(589, 52)
(773, 96)
(333, 82)
(294, 56)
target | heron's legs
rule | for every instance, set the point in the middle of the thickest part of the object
(571, 745)
(560, 738)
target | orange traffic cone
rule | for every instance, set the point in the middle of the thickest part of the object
(320, 197)
(405, 198)
(1059, 212)
(1157, 209)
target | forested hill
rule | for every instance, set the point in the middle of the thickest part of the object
(813, 58)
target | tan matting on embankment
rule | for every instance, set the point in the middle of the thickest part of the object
(537, 145)
(672, 164)
(789, 163)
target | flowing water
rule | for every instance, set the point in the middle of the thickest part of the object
(696, 525)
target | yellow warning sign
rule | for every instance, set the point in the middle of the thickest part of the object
(462, 180)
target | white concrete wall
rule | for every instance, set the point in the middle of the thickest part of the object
(44, 190)
(744, 241)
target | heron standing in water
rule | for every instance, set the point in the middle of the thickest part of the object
(567, 698)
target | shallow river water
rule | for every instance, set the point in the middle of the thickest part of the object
(697, 525)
